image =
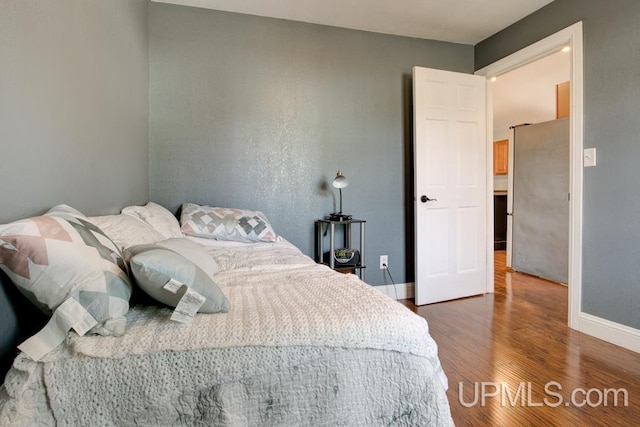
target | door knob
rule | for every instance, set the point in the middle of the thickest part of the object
(425, 199)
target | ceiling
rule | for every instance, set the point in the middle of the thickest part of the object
(458, 21)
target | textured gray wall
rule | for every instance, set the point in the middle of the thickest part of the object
(258, 113)
(611, 235)
(73, 118)
(73, 105)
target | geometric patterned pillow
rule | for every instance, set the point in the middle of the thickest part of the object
(69, 268)
(226, 224)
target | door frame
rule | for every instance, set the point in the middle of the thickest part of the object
(570, 36)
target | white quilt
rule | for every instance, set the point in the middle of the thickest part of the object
(301, 345)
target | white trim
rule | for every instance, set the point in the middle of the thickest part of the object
(613, 332)
(405, 290)
(490, 274)
(572, 36)
(510, 197)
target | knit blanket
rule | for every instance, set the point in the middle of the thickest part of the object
(296, 331)
(278, 297)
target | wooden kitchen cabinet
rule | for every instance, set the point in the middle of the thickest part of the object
(563, 100)
(500, 157)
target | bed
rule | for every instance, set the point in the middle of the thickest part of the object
(286, 341)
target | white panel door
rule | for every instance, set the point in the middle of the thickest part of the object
(450, 184)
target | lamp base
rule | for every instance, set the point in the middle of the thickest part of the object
(339, 216)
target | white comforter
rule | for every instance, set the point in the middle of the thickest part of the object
(301, 345)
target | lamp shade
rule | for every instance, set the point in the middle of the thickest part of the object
(340, 181)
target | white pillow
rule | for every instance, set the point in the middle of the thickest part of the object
(68, 267)
(158, 217)
(126, 230)
(226, 224)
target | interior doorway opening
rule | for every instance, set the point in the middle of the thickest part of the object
(571, 37)
(530, 95)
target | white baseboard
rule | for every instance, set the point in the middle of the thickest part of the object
(404, 290)
(615, 333)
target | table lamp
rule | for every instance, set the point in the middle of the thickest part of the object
(340, 182)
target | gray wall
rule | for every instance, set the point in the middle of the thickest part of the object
(73, 118)
(73, 105)
(611, 234)
(259, 113)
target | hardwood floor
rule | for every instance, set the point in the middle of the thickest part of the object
(508, 346)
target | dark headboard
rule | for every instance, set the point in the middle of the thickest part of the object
(19, 319)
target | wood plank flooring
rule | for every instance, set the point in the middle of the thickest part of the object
(517, 342)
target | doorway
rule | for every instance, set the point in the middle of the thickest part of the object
(572, 37)
(528, 117)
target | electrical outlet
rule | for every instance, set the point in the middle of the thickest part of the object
(384, 260)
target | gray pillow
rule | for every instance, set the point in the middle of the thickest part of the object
(153, 266)
(193, 252)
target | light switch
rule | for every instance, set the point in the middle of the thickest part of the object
(589, 157)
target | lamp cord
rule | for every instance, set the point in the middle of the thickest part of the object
(391, 278)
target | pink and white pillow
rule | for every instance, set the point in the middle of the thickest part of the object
(226, 224)
(70, 269)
